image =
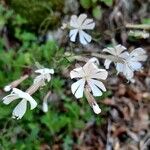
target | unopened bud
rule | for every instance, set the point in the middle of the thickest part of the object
(92, 101)
(45, 102)
(15, 83)
(96, 108)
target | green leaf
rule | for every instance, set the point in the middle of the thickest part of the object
(86, 3)
(146, 21)
(67, 143)
(108, 2)
(97, 12)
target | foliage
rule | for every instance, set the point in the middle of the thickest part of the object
(108, 2)
(38, 12)
(29, 49)
(95, 5)
(37, 127)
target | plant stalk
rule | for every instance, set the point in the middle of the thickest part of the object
(138, 26)
(110, 57)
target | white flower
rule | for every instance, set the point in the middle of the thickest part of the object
(21, 108)
(45, 74)
(117, 51)
(131, 61)
(78, 24)
(88, 75)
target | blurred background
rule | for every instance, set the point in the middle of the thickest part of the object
(30, 34)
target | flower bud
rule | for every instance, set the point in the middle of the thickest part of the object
(96, 108)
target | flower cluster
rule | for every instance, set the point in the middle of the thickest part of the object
(89, 77)
(20, 109)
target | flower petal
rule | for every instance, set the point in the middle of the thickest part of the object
(100, 74)
(73, 34)
(48, 77)
(25, 96)
(81, 19)
(99, 84)
(38, 79)
(116, 51)
(94, 60)
(84, 37)
(88, 24)
(128, 72)
(77, 73)
(107, 63)
(77, 88)
(110, 50)
(120, 67)
(74, 21)
(138, 54)
(92, 71)
(119, 49)
(135, 65)
(125, 55)
(20, 109)
(32, 102)
(18, 92)
(9, 98)
(45, 71)
(89, 68)
(95, 90)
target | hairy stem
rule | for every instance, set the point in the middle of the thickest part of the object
(89, 96)
(18, 81)
(138, 26)
(34, 87)
(110, 57)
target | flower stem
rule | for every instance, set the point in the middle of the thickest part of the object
(17, 82)
(89, 97)
(98, 55)
(34, 87)
(78, 58)
(91, 100)
(110, 57)
(138, 26)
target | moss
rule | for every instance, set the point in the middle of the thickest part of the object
(38, 12)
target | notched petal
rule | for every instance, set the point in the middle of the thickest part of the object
(9, 98)
(84, 37)
(77, 88)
